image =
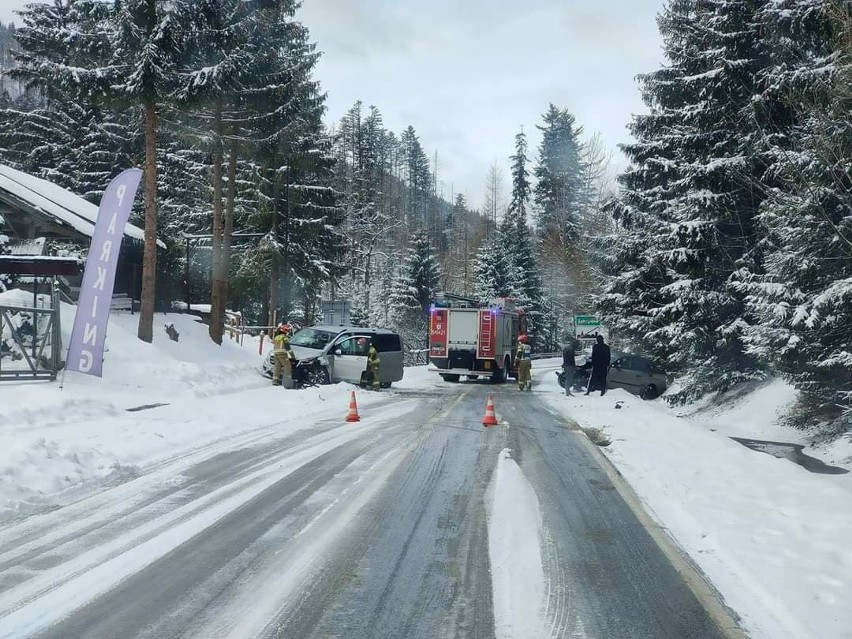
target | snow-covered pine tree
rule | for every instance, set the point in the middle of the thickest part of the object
(287, 141)
(64, 135)
(416, 284)
(558, 174)
(516, 239)
(692, 196)
(713, 235)
(630, 260)
(215, 79)
(361, 174)
(419, 179)
(456, 265)
(146, 39)
(802, 301)
(491, 272)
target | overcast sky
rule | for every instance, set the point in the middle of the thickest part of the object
(467, 74)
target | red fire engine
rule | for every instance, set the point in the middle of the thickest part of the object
(473, 339)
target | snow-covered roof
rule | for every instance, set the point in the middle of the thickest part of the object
(26, 247)
(61, 205)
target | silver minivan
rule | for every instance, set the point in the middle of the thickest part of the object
(332, 354)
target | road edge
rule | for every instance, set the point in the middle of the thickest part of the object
(726, 618)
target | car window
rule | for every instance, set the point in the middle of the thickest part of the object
(312, 338)
(358, 346)
(641, 364)
(387, 342)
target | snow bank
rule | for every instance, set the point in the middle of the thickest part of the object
(514, 548)
(155, 402)
(58, 442)
(771, 536)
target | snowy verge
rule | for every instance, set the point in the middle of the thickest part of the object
(779, 557)
(60, 444)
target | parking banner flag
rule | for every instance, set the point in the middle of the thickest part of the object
(86, 348)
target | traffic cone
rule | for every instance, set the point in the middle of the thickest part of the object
(490, 418)
(353, 409)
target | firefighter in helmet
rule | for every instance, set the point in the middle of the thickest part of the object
(282, 353)
(373, 363)
(523, 356)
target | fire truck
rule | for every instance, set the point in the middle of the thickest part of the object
(473, 339)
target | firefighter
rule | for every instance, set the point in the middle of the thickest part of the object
(373, 363)
(283, 354)
(523, 357)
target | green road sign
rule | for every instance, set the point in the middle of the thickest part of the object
(586, 320)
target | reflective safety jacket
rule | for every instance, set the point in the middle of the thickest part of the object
(282, 345)
(524, 352)
(373, 359)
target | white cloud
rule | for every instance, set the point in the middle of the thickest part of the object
(467, 75)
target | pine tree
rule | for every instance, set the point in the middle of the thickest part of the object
(415, 288)
(491, 272)
(801, 301)
(558, 172)
(692, 197)
(147, 42)
(521, 189)
(419, 179)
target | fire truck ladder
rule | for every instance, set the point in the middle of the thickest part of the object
(486, 332)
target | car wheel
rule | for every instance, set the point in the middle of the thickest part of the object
(318, 376)
(650, 392)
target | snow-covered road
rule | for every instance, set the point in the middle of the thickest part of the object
(414, 522)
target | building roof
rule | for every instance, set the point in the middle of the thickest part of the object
(63, 211)
(39, 265)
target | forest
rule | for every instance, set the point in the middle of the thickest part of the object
(723, 250)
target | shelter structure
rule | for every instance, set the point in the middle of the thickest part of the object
(37, 215)
(31, 335)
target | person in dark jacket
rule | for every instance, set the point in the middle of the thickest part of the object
(569, 365)
(600, 367)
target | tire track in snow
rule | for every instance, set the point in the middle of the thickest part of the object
(36, 603)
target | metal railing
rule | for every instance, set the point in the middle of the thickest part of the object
(31, 340)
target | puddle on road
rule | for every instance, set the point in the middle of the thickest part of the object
(793, 452)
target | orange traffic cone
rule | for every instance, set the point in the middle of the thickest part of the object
(353, 409)
(490, 418)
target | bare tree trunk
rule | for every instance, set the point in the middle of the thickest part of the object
(217, 311)
(229, 223)
(149, 259)
(273, 268)
(287, 303)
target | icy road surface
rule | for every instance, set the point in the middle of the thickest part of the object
(416, 522)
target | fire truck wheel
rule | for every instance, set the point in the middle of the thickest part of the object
(499, 375)
(451, 378)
